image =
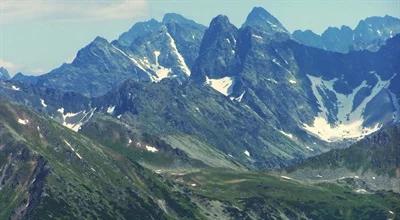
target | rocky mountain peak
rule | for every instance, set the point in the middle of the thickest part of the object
(4, 74)
(217, 56)
(260, 18)
(138, 30)
(176, 18)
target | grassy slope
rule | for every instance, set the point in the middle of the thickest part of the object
(269, 196)
(101, 184)
(379, 153)
(108, 184)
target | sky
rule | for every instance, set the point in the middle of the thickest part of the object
(39, 35)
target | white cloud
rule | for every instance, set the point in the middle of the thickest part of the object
(97, 10)
(11, 67)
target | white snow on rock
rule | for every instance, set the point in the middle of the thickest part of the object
(257, 36)
(396, 114)
(284, 68)
(289, 135)
(110, 110)
(247, 153)
(286, 177)
(391, 212)
(349, 124)
(309, 148)
(73, 149)
(291, 81)
(151, 148)
(43, 103)
(161, 72)
(223, 85)
(15, 88)
(38, 129)
(361, 191)
(239, 98)
(134, 61)
(185, 69)
(80, 117)
(23, 121)
(272, 80)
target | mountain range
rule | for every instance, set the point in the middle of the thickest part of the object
(175, 120)
(370, 34)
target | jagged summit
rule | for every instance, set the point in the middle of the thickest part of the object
(176, 18)
(221, 21)
(4, 74)
(369, 34)
(260, 18)
(137, 30)
(217, 56)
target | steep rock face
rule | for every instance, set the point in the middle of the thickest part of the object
(138, 30)
(187, 35)
(300, 89)
(4, 74)
(369, 34)
(149, 51)
(96, 69)
(191, 115)
(217, 56)
(260, 19)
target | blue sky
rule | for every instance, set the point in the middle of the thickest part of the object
(39, 35)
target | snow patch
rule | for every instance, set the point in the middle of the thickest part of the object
(272, 80)
(396, 114)
(247, 153)
(151, 148)
(73, 149)
(43, 103)
(161, 72)
(257, 36)
(286, 177)
(349, 123)
(23, 121)
(223, 85)
(110, 110)
(361, 191)
(239, 98)
(309, 148)
(289, 135)
(86, 116)
(291, 81)
(15, 88)
(280, 65)
(181, 61)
